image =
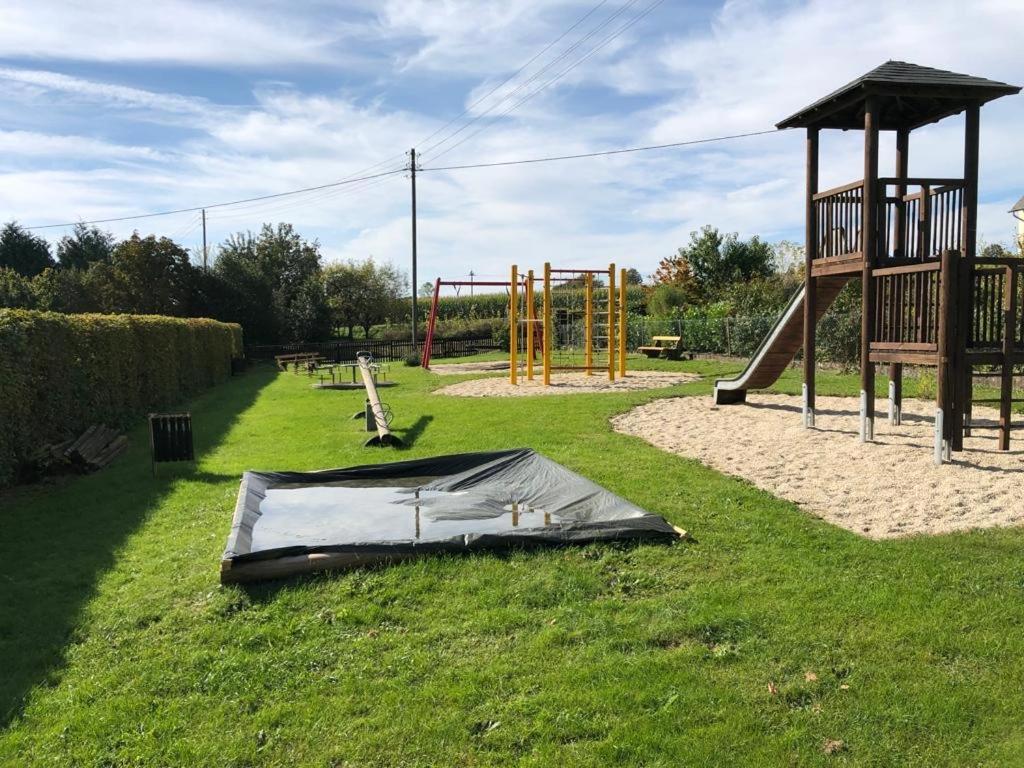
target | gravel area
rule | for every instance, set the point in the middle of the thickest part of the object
(573, 383)
(885, 489)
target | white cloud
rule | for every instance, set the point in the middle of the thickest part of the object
(176, 31)
(752, 65)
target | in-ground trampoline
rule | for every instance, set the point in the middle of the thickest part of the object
(295, 522)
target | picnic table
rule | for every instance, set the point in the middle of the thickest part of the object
(669, 347)
(329, 369)
(297, 359)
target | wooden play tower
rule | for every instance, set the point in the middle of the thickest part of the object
(928, 298)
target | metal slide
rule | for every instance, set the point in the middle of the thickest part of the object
(780, 346)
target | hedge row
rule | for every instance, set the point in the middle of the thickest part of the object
(61, 373)
(486, 305)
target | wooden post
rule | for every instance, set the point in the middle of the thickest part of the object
(531, 325)
(611, 322)
(870, 244)
(1006, 380)
(547, 324)
(899, 234)
(513, 327)
(623, 330)
(810, 282)
(428, 342)
(588, 323)
(415, 288)
(944, 373)
(968, 246)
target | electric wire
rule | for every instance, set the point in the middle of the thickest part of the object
(532, 78)
(220, 205)
(603, 153)
(515, 74)
(554, 79)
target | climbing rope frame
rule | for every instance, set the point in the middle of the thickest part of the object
(581, 324)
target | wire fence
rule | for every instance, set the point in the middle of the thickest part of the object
(838, 339)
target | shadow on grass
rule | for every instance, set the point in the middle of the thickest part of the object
(412, 433)
(59, 540)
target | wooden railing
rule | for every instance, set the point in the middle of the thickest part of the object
(918, 219)
(996, 293)
(838, 215)
(921, 224)
(906, 307)
(988, 304)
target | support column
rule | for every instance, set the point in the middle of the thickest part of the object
(1006, 380)
(899, 234)
(546, 340)
(969, 246)
(623, 330)
(588, 323)
(611, 322)
(810, 282)
(947, 341)
(531, 326)
(513, 326)
(870, 245)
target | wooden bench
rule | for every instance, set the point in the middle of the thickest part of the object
(669, 347)
(297, 360)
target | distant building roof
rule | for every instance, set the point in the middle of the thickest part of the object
(909, 96)
(1018, 207)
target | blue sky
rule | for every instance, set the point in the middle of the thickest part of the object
(118, 108)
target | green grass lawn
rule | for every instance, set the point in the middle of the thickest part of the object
(770, 635)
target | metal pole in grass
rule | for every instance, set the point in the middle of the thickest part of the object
(547, 323)
(622, 322)
(513, 326)
(611, 322)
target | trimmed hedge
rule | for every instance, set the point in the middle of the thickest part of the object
(61, 373)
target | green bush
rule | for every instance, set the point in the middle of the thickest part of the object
(61, 373)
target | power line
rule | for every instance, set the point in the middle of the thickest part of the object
(221, 205)
(615, 14)
(607, 39)
(515, 74)
(603, 153)
(385, 174)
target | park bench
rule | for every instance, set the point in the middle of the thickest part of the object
(298, 360)
(668, 347)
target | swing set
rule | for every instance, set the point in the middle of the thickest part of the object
(577, 323)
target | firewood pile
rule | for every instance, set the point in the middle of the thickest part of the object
(92, 450)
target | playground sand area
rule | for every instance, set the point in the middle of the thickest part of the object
(573, 383)
(450, 369)
(885, 489)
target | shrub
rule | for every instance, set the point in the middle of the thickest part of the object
(61, 373)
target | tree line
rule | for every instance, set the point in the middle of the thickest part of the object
(273, 282)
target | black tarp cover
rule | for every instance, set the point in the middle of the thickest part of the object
(469, 489)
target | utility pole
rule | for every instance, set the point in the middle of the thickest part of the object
(415, 287)
(204, 240)
(472, 274)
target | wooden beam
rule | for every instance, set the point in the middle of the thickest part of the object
(870, 245)
(810, 280)
(1006, 381)
(899, 252)
(846, 264)
(910, 358)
